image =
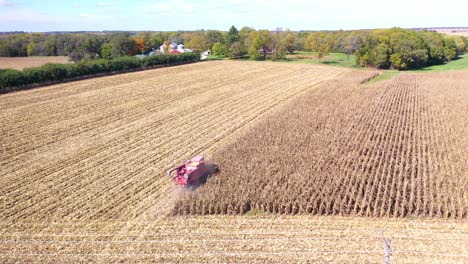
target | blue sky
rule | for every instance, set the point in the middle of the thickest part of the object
(71, 15)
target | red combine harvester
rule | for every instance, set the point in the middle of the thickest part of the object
(193, 172)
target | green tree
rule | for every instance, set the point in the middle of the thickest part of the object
(218, 49)
(319, 43)
(249, 39)
(31, 48)
(122, 45)
(245, 37)
(50, 45)
(158, 39)
(380, 56)
(262, 44)
(148, 42)
(232, 36)
(106, 51)
(289, 42)
(197, 42)
(435, 44)
(254, 49)
(450, 48)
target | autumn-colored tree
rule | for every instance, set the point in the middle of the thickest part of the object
(166, 47)
(140, 44)
(235, 51)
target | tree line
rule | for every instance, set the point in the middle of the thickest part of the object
(393, 48)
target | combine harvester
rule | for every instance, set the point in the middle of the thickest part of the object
(193, 173)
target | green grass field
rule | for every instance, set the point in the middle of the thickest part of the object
(215, 57)
(335, 59)
(458, 64)
(340, 59)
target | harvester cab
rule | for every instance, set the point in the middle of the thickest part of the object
(193, 172)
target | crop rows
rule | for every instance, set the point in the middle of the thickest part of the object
(82, 166)
(98, 149)
(393, 149)
(234, 239)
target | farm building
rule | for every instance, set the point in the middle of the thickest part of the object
(205, 54)
(173, 47)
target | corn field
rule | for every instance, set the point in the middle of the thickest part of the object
(82, 167)
(394, 149)
(99, 149)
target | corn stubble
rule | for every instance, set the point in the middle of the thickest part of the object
(99, 148)
(392, 149)
(82, 173)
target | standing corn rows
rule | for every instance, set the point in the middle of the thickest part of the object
(392, 149)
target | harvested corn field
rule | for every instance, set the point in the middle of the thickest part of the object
(20, 63)
(82, 169)
(99, 148)
(393, 149)
(236, 239)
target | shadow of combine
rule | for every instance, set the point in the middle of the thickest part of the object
(212, 170)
